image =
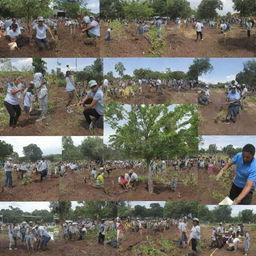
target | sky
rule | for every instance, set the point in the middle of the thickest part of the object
(75, 64)
(31, 206)
(237, 208)
(224, 69)
(222, 141)
(48, 144)
(227, 6)
(93, 5)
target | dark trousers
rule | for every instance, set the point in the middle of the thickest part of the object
(43, 174)
(194, 244)
(42, 44)
(8, 180)
(101, 238)
(44, 241)
(199, 34)
(248, 33)
(90, 112)
(14, 113)
(236, 191)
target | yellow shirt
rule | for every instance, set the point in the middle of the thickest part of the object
(101, 178)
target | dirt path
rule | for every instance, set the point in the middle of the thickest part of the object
(149, 96)
(58, 121)
(181, 43)
(67, 45)
(212, 114)
(48, 190)
(72, 187)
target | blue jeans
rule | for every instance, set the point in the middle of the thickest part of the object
(8, 181)
(44, 241)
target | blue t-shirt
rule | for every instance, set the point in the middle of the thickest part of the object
(244, 172)
(233, 96)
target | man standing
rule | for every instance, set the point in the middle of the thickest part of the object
(102, 229)
(199, 30)
(40, 34)
(8, 167)
(244, 182)
(42, 169)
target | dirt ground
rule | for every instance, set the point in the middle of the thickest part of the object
(149, 96)
(67, 45)
(181, 43)
(132, 239)
(58, 121)
(72, 187)
(48, 190)
(207, 186)
(211, 117)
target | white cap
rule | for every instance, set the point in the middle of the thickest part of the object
(92, 83)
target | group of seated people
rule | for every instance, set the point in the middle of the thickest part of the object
(128, 180)
(230, 237)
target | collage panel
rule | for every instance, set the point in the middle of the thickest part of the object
(191, 28)
(49, 28)
(144, 81)
(226, 170)
(131, 228)
(228, 100)
(51, 97)
(29, 168)
(153, 137)
(82, 168)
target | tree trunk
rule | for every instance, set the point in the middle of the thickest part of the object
(150, 181)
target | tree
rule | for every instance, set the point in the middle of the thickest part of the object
(137, 10)
(248, 75)
(246, 216)
(199, 67)
(207, 9)
(204, 214)
(155, 210)
(32, 152)
(6, 64)
(111, 9)
(178, 8)
(119, 68)
(212, 149)
(222, 213)
(39, 65)
(5, 149)
(140, 211)
(153, 131)
(180, 209)
(92, 148)
(246, 8)
(230, 150)
(61, 208)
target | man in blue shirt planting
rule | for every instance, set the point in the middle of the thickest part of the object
(245, 177)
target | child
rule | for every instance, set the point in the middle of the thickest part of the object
(246, 243)
(28, 98)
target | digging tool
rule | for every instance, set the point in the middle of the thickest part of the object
(213, 252)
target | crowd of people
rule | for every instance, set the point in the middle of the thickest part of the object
(16, 32)
(129, 88)
(229, 237)
(236, 95)
(28, 235)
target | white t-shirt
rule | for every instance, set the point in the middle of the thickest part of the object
(43, 93)
(199, 27)
(38, 77)
(11, 33)
(28, 99)
(40, 31)
(12, 99)
(96, 28)
(236, 241)
(105, 82)
(70, 84)
(134, 176)
(8, 167)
